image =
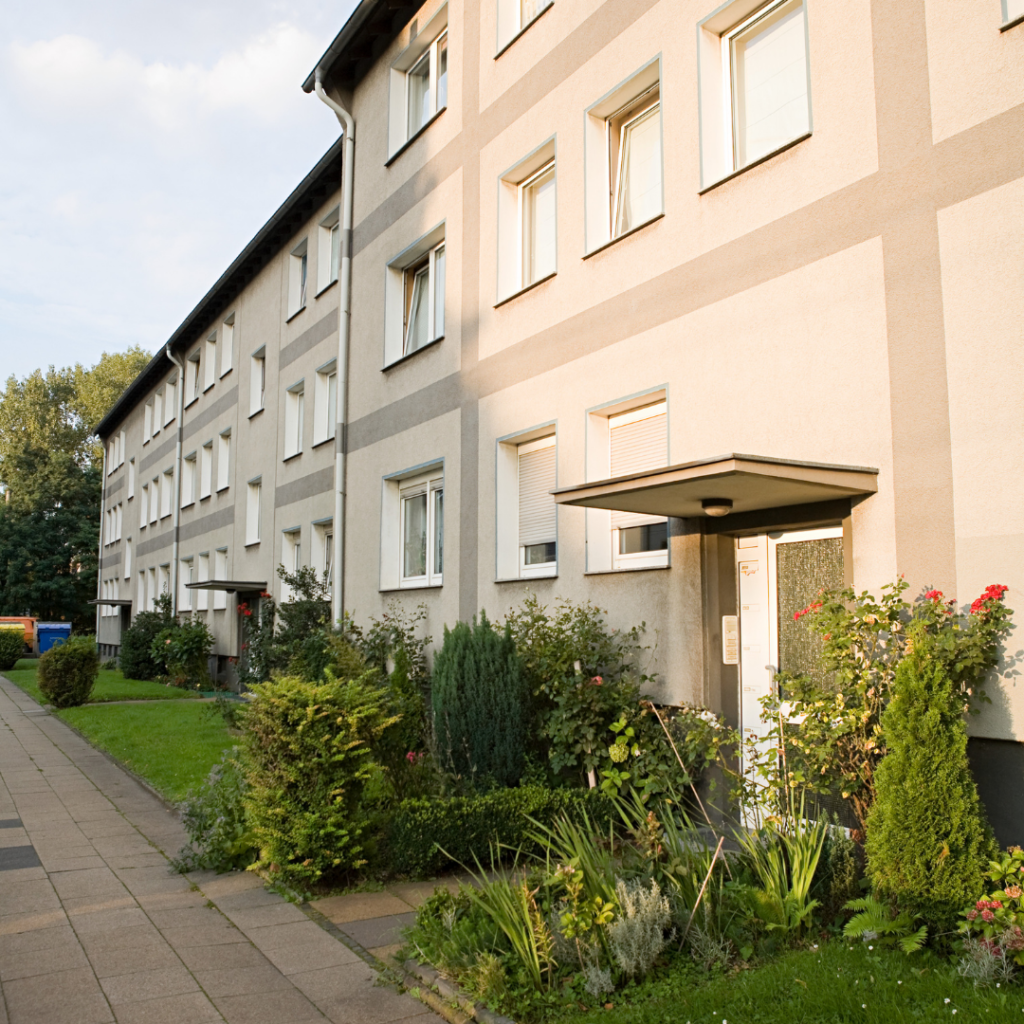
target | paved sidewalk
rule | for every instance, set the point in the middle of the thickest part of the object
(95, 929)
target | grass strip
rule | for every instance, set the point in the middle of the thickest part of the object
(171, 744)
(834, 984)
(110, 685)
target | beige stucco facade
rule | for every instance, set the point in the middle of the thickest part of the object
(854, 299)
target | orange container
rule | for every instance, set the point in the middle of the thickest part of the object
(26, 623)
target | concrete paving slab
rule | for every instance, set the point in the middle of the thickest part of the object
(192, 1008)
(381, 931)
(360, 906)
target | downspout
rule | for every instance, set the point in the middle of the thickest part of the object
(177, 478)
(344, 327)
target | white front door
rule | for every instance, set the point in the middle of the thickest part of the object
(778, 574)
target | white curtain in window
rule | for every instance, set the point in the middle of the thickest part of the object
(536, 506)
(639, 443)
(640, 176)
(770, 83)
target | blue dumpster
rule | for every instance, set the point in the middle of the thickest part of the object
(52, 634)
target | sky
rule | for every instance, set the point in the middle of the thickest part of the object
(142, 144)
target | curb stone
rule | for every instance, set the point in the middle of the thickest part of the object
(455, 1006)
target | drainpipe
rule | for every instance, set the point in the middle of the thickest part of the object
(177, 478)
(344, 328)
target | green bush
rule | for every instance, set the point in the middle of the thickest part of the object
(480, 705)
(183, 648)
(308, 756)
(424, 836)
(67, 673)
(135, 655)
(12, 645)
(928, 843)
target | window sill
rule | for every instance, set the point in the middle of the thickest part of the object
(253, 544)
(326, 288)
(523, 291)
(209, 386)
(221, 490)
(191, 402)
(529, 579)
(755, 163)
(1012, 23)
(292, 316)
(320, 444)
(188, 504)
(224, 373)
(294, 455)
(415, 586)
(411, 355)
(625, 234)
(526, 28)
(253, 415)
(166, 515)
(634, 568)
(408, 142)
(203, 497)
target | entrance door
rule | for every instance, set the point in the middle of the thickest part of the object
(779, 574)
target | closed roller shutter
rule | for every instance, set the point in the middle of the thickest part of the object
(639, 442)
(536, 506)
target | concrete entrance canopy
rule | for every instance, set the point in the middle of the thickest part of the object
(231, 586)
(117, 602)
(751, 482)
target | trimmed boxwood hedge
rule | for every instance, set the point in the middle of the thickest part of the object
(466, 828)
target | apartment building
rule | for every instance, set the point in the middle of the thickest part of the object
(689, 311)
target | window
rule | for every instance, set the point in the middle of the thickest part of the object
(158, 411)
(515, 15)
(291, 558)
(120, 448)
(754, 84)
(192, 378)
(184, 577)
(227, 345)
(252, 513)
(118, 517)
(205, 470)
(526, 524)
(166, 492)
(154, 500)
(188, 480)
(108, 527)
(294, 414)
(211, 362)
(326, 399)
(322, 553)
(257, 380)
(298, 266)
(415, 297)
(220, 572)
(147, 423)
(419, 82)
(224, 460)
(131, 478)
(163, 579)
(624, 158)
(328, 250)
(412, 529)
(171, 401)
(203, 596)
(144, 507)
(128, 558)
(527, 221)
(1013, 11)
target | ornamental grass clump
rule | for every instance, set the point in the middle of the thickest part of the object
(308, 755)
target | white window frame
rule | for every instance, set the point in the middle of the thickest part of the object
(298, 278)
(131, 478)
(147, 423)
(171, 401)
(220, 572)
(144, 507)
(510, 555)
(325, 402)
(1013, 13)
(203, 596)
(158, 412)
(118, 519)
(210, 355)
(515, 17)
(603, 153)
(224, 460)
(291, 557)
(188, 480)
(154, 501)
(718, 130)
(121, 440)
(294, 417)
(512, 228)
(206, 470)
(257, 380)
(166, 493)
(328, 250)
(128, 545)
(192, 378)
(163, 577)
(401, 273)
(425, 46)
(254, 511)
(426, 479)
(322, 551)
(186, 568)
(227, 346)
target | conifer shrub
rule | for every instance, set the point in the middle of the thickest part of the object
(67, 672)
(480, 705)
(135, 656)
(12, 646)
(928, 843)
(308, 759)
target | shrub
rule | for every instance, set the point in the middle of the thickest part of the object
(214, 817)
(135, 656)
(424, 836)
(997, 923)
(12, 645)
(479, 702)
(67, 673)
(183, 648)
(928, 844)
(637, 937)
(308, 761)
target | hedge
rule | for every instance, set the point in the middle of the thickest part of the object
(465, 828)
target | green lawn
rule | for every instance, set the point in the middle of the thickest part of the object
(172, 744)
(110, 685)
(834, 984)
